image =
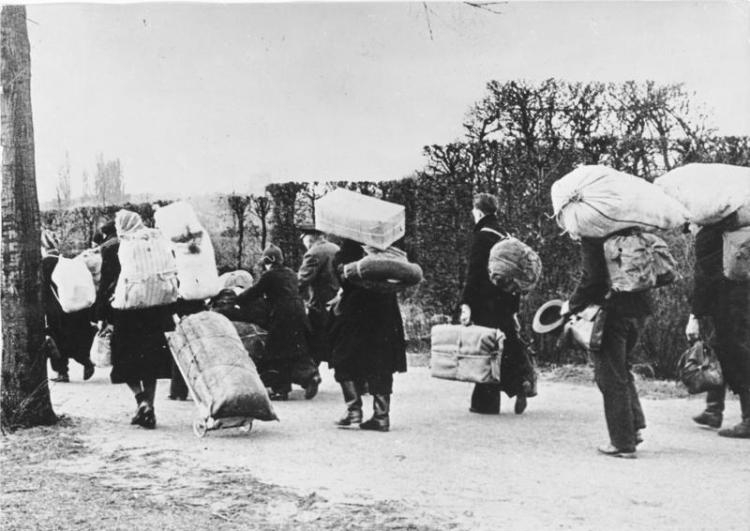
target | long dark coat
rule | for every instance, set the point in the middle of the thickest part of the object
(726, 302)
(139, 347)
(367, 334)
(72, 332)
(287, 322)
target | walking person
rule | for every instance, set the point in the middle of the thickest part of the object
(368, 345)
(720, 312)
(319, 284)
(626, 313)
(72, 332)
(140, 354)
(485, 304)
(287, 348)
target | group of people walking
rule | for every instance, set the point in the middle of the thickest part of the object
(316, 315)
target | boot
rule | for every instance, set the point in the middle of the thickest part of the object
(141, 400)
(353, 405)
(380, 421)
(521, 403)
(712, 416)
(741, 430)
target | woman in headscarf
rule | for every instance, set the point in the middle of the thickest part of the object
(71, 332)
(140, 354)
(368, 345)
(288, 356)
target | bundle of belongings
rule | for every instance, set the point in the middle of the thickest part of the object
(712, 193)
(513, 265)
(218, 370)
(74, 285)
(377, 224)
(466, 353)
(194, 253)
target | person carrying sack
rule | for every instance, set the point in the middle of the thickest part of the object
(626, 313)
(722, 305)
(485, 304)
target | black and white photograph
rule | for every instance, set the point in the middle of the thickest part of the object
(374, 266)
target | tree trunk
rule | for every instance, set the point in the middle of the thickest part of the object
(25, 393)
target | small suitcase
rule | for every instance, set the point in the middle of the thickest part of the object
(466, 353)
(219, 372)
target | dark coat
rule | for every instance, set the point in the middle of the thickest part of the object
(367, 332)
(726, 302)
(139, 347)
(594, 285)
(287, 324)
(490, 305)
(72, 332)
(317, 277)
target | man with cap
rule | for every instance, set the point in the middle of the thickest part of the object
(318, 285)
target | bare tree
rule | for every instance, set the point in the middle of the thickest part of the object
(109, 184)
(64, 192)
(238, 205)
(25, 393)
(260, 207)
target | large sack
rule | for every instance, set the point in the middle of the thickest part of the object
(386, 271)
(148, 271)
(710, 192)
(466, 353)
(177, 221)
(93, 260)
(736, 254)
(596, 201)
(515, 265)
(236, 279)
(218, 369)
(196, 268)
(360, 218)
(638, 261)
(75, 286)
(253, 338)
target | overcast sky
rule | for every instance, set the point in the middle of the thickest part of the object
(201, 98)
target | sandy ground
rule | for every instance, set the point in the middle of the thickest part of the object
(440, 467)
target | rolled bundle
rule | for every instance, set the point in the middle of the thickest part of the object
(514, 264)
(387, 271)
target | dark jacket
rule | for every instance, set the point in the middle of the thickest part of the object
(288, 326)
(594, 285)
(490, 305)
(317, 279)
(367, 334)
(708, 278)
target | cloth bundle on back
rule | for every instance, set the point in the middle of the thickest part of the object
(383, 271)
(193, 250)
(514, 265)
(75, 285)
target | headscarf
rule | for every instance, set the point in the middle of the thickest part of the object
(49, 241)
(127, 222)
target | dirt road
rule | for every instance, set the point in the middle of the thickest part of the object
(439, 467)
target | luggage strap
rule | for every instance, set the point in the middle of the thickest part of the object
(493, 231)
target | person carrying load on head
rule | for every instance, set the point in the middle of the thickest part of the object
(485, 304)
(318, 284)
(140, 354)
(720, 313)
(287, 351)
(72, 333)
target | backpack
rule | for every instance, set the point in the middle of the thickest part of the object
(638, 261)
(75, 286)
(512, 261)
(148, 272)
(736, 254)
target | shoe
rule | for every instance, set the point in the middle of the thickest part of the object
(709, 418)
(312, 388)
(88, 371)
(613, 451)
(482, 412)
(139, 414)
(60, 378)
(740, 431)
(521, 403)
(380, 421)
(279, 396)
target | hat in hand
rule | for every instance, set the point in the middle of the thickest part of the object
(548, 317)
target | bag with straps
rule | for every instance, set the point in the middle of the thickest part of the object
(586, 328)
(466, 353)
(699, 369)
(736, 254)
(512, 264)
(638, 261)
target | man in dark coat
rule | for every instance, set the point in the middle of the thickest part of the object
(287, 351)
(318, 284)
(485, 304)
(721, 311)
(368, 345)
(625, 318)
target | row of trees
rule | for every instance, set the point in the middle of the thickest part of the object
(105, 187)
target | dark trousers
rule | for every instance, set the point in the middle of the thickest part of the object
(622, 408)
(279, 375)
(515, 369)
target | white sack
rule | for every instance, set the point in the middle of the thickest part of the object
(710, 192)
(196, 272)
(75, 286)
(177, 221)
(595, 201)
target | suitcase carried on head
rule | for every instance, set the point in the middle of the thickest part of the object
(466, 353)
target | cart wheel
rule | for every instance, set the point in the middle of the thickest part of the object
(247, 426)
(199, 428)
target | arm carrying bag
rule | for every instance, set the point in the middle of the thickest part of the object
(699, 369)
